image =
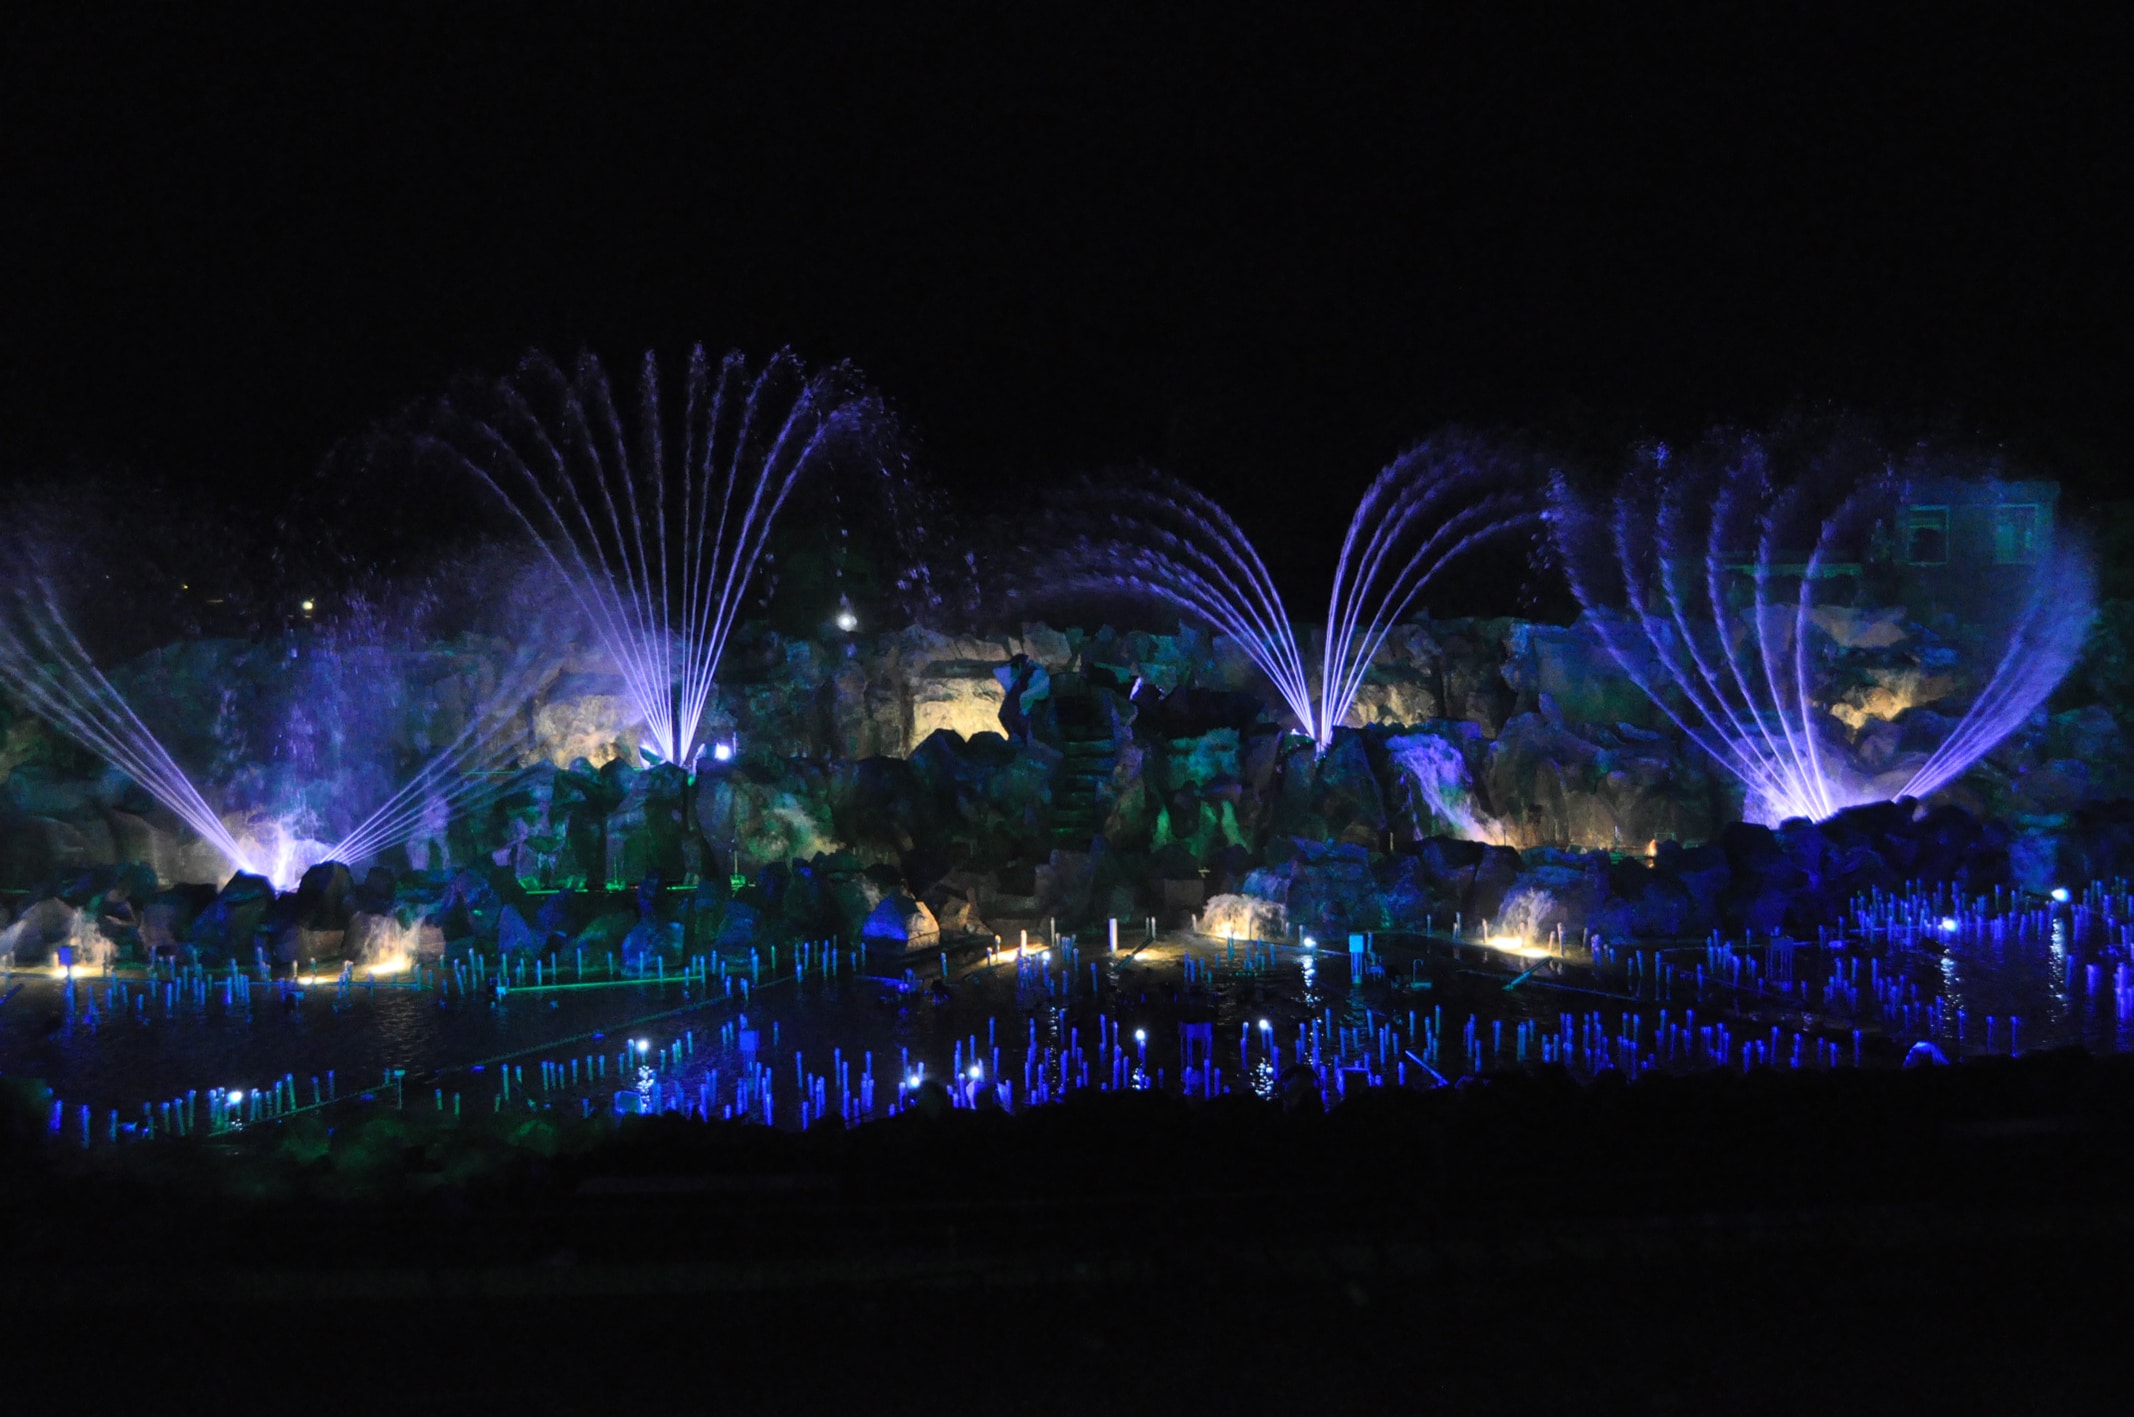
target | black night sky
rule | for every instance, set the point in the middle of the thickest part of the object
(1261, 249)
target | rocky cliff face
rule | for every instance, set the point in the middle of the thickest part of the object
(999, 780)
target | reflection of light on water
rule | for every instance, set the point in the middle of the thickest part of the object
(1262, 1079)
(2062, 970)
(1951, 983)
(1513, 945)
(395, 962)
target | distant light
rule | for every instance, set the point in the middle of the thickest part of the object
(1265, 1025)
(644, 1045)
(1141, 1035)
(847, 621)
(2059, 893)
(1310, 943)
(976, 1072)
(237, 1094)
(307, 607)
(1948, 922)
(722, 752)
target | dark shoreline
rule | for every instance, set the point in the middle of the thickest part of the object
(1754, 1237)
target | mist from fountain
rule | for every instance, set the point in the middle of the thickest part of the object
(657, 545)
(1653, 573)
(1431, 505)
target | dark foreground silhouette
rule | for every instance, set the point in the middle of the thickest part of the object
(1955, 1237)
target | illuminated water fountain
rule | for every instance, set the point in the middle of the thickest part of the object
(46, 666)
(1429, 506)
(1681, 577)
(657, 537)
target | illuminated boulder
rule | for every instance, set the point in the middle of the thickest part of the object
(902, 923)
(38, 930)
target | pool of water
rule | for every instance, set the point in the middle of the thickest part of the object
(833, 1032)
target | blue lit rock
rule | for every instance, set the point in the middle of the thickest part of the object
(900, 922)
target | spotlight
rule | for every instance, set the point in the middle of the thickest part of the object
(2059, 893)
(847, 621)
(722, 752)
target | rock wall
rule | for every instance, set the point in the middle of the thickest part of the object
(996, 782)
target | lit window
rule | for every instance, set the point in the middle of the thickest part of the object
(2015, 534)
(1926, 536)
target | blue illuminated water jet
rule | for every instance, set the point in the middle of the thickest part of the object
(45, 665)
(1681, 577)
(656, 544)
(1429, 506)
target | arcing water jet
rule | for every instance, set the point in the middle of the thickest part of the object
(1428, 507)
(656, 543)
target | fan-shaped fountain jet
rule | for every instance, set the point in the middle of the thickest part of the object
(1429, 506)
(44, 664)
(1681, 575)
(657, 543)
